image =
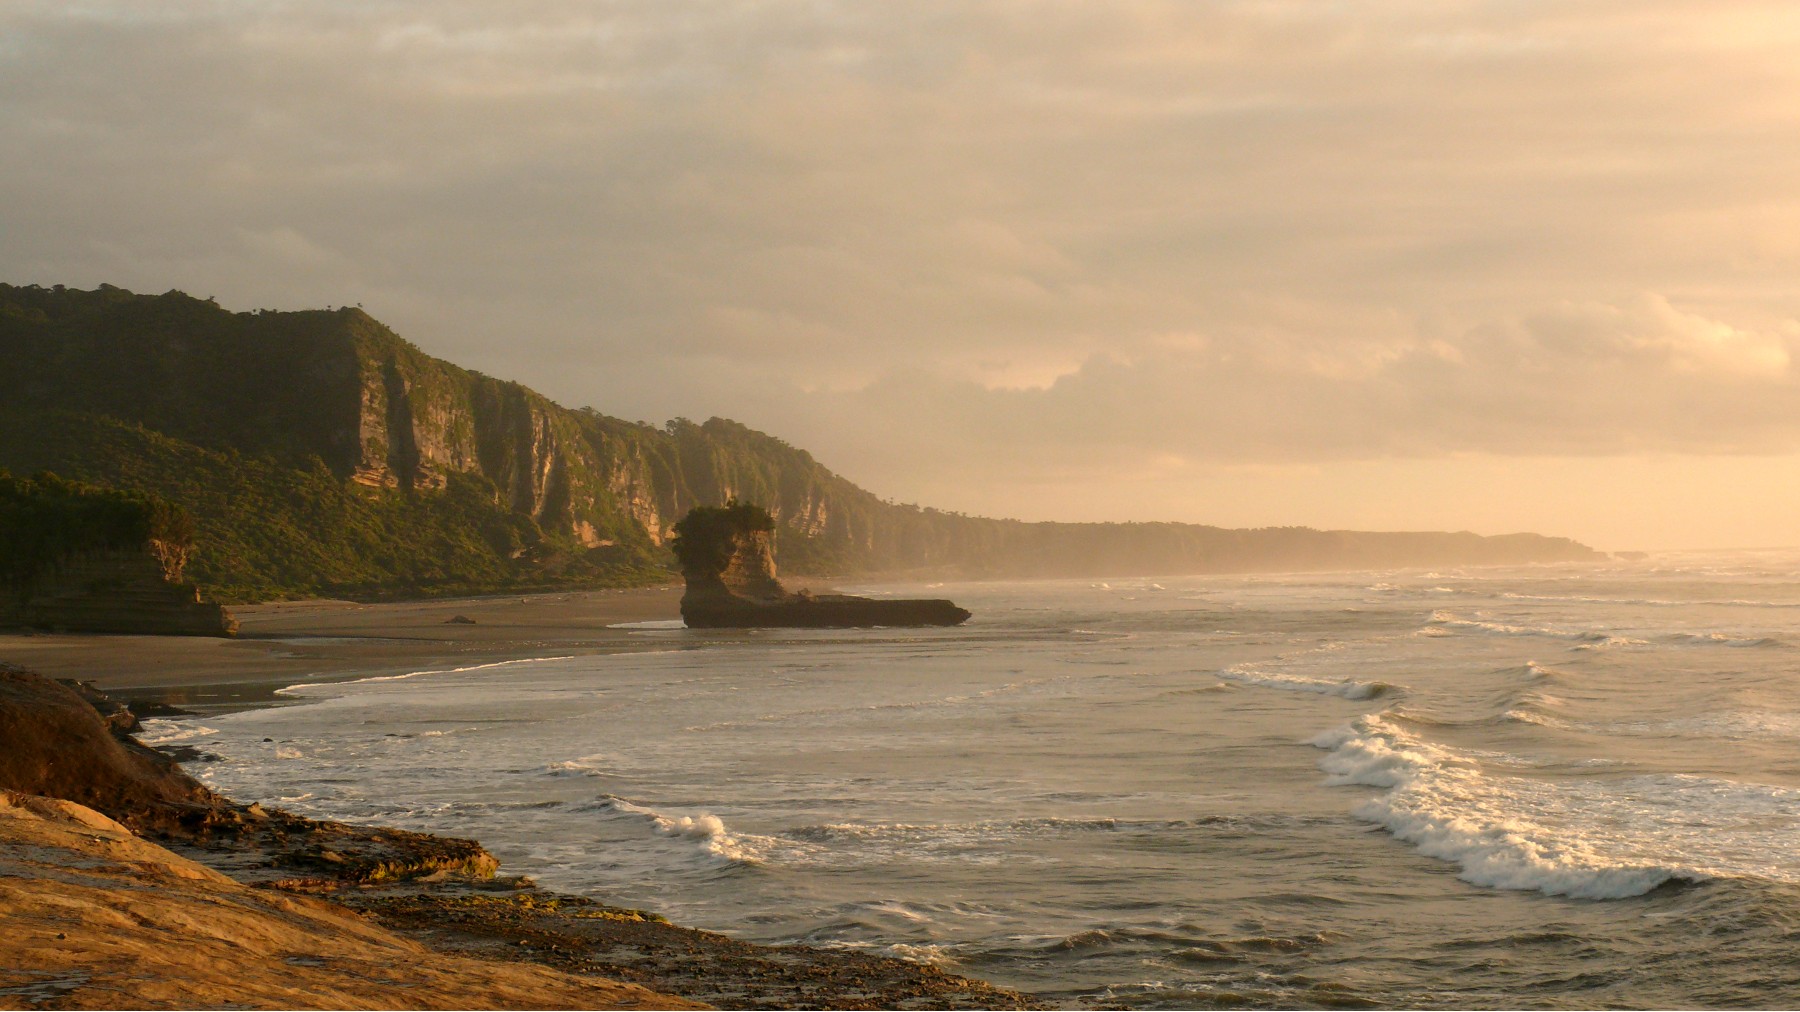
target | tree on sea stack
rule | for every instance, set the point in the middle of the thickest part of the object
(706, 538)
(727, 557)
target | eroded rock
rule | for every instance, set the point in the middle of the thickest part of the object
(727, 557)
(74, 743)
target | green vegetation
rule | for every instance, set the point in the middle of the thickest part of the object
(703, 538)
(318, 453)
(45, 518)
(265, 530)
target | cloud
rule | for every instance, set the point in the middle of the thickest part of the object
(1141, 231)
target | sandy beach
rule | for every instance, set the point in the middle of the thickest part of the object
(284, 643)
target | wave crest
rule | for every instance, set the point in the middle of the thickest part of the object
(1440, 802)
(709, 831)
(1247, 674)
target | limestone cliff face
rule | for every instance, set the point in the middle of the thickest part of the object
(416, 419)
(117, 590)
(419, 419)
(379, 413)
(83, 558)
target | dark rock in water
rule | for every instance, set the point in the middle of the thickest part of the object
(728, 560)
(156, 708)
(459, 620)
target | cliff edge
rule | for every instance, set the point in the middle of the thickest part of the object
(727, 557)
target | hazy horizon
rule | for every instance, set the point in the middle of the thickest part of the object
(1497, 267)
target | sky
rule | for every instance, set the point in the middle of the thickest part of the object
(1494, 266)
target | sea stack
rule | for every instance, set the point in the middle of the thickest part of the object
(727, 557)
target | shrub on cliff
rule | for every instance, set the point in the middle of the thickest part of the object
(45, 517)
(703, 539)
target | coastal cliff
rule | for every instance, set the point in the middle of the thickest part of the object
(84, 559)
(727, 558)
(320, 453)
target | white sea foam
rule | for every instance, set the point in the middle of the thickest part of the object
(158, 731)
(1442, 803)
(652, 624)
(997, 830)
(1586, 639)
(1452, 620)
(1718, 639)
(1248, 674)
(294, 690)
(1540, 719)
(927, 953)
(1609, 643)
(584, 766)
(467, 667)
(714, 838)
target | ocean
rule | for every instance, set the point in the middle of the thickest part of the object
(1545, 787)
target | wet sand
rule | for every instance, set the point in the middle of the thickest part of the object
(313, 641)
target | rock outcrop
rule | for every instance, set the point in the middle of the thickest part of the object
(97, 917)
(125, 883)
(71, 742)
(728, 560)
(118, 591)
(82, 559)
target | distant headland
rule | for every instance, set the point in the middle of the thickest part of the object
(319, 454)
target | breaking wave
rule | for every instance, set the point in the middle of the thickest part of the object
(1246, 674)
(1442, 803)
(158, 731)
(1443, 622)
(707, 831)
(1716, 639)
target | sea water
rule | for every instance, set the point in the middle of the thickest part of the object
(1541, 787)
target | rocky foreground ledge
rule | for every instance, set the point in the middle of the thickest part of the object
(727, 558)
(125, 883)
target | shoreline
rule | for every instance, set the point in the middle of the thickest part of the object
(455, 913)
(323, 641)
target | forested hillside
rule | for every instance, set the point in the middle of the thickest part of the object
(319, 453)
